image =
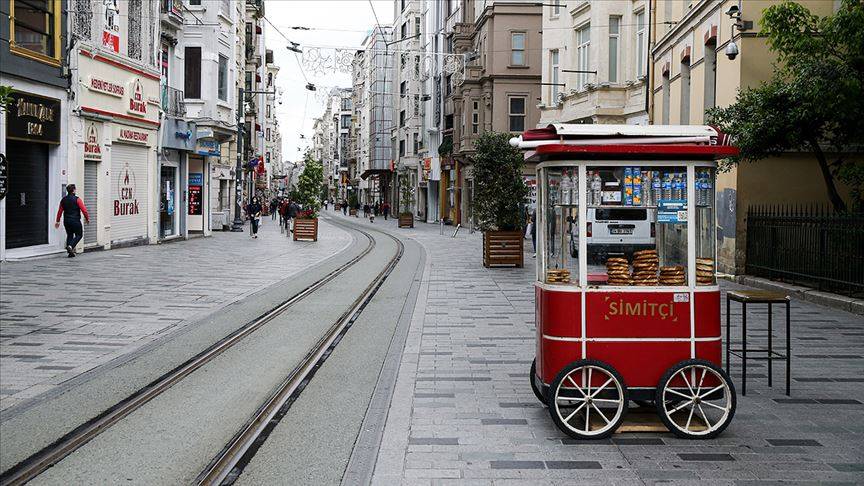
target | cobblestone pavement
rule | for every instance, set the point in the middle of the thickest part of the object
(62, 317)
(463, 411)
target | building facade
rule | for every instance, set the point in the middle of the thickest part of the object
(690, 73)
(34, 129)
(595, 62)
(115, 119)
(501, 46)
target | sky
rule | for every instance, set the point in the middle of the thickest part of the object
(343, 23)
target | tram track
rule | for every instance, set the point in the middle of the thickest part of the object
(52, 454)
(227, 466)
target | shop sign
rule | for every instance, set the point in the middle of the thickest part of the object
(196, 181)
(33, 118)
(131, 135)
(178, 134)
(92, 147)
(127, 204)
(672, 211)
(207, 147)
(111, 32)
(106, 87)
(137, 102)
(4, 176)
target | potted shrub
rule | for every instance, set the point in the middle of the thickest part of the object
(406, 200)
(308, 196)
(352, 203)
(499, 196)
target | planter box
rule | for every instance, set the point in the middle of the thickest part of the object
(406, 220)
(502, 248)
(306, 229)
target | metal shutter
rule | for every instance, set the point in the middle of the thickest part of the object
(128, 172)
(90, 194)
(27, 198)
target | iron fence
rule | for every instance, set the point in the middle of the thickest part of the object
(811, 246)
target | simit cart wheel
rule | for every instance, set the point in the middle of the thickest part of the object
(587, 400)
(695, 399)
(537, 391)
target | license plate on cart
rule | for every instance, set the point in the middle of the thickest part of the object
(620, 231)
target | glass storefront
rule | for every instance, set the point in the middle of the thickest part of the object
(168, 203)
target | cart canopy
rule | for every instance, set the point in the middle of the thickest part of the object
(680, 141)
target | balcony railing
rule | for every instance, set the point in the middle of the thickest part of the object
(173, 102)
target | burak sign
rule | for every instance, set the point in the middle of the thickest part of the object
(127, 204)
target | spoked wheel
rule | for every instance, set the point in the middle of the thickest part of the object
(587, 400)
(695, 399)
(537, 392)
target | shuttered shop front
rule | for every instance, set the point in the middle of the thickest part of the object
(91, 200)
(128, 192)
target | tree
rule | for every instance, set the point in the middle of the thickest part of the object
(499, 189)
(813, 102)
(309, 186)
(406, 192)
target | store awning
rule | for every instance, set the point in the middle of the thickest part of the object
(370, 172)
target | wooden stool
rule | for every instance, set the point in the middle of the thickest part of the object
(758, 297)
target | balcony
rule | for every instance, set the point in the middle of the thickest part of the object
(173, 9)
(173, 102)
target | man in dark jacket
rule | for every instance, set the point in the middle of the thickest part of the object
(71, 208)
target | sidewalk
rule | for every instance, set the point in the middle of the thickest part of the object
(64, 316)
(463, 412)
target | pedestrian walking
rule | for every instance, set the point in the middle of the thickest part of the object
(293, 209)
(385, 208)
(366, 210)
(344, 208)
(71, 208)
(253, 211)
(273, 205)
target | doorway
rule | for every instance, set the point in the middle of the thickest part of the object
(27, 199)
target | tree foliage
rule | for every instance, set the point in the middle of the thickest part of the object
(406, 192)
(814, 101)
(499, 189)
(309, 185)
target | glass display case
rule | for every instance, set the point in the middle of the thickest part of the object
(644, 225)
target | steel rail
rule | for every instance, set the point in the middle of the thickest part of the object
(226, 467)
(53, 453)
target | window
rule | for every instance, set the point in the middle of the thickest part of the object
(248, 82)
(417, 67)
(268, 111)
(404, 30)
(346, 104)
(195, 2)
(164, 62)
(448, 85)
(345, 121)
(269, 79)
(640, 44)
(666, 94)
(517, 49)
(614, 32)
(192, 72)
(517, 113)
(417, 145)
(401, 148)
(402, 118)
(83, 24)
(583, 55)
(685, 92)
(267, 137)
(403, 88)
(554, 76)
(475, 118)
(222, 91)
(710, 74)
(133, 40)
(556, 7)
(402, 2)
(226, 7)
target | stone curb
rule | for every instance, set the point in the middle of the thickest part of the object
(827, 299)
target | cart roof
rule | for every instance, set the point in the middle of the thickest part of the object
(563, 140)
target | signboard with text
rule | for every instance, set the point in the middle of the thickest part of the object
(33, 118)
(196, 182)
